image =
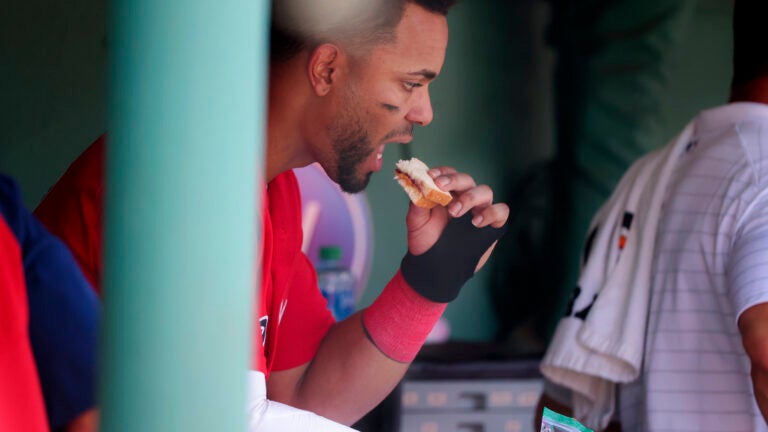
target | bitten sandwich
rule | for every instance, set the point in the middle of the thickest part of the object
(421, 189)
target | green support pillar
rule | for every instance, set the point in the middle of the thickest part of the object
(187, 115)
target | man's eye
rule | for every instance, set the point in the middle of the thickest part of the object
(409, 85)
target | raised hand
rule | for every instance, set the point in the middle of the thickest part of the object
(447, 245)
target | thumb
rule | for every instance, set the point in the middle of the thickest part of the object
(424, 227)
(417, 217)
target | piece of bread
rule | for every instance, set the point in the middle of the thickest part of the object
(412, 175)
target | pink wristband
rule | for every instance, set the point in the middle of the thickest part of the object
(400, 319)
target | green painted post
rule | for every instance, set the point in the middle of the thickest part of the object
(187, 117)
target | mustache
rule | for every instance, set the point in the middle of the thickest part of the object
(404, 131)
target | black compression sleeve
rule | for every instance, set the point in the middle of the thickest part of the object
(439, 273)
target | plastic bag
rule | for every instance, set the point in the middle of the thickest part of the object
(554, 422)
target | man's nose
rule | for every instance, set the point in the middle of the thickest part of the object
(421, 112)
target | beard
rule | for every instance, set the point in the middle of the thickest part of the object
(351, 147)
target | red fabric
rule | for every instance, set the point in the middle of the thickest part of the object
(288, 283)
(399, 320)
(72, 210)
(21, 400)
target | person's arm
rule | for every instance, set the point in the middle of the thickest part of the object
(63, 313)
(265, 415)
(85, 422)
(746, 273)
(358, 364)
(753, 326)
(555, 405)
(347, 378)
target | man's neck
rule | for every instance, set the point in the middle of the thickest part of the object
(285, 148)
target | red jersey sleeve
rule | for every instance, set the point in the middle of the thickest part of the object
(305, 319)
(296, 315)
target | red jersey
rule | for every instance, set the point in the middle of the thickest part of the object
(292, 308)
(21, 399)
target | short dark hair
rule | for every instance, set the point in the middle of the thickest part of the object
(436, 6)
(288, 36)
(750, 56)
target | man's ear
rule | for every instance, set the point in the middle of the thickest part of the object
(323, 67)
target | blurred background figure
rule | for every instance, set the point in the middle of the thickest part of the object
(670, 309)
(50, 308)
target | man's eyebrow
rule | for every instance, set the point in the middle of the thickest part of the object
(426, 73)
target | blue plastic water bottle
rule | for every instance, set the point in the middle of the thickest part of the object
(336, 282)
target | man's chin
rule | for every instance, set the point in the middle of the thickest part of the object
(355, 185)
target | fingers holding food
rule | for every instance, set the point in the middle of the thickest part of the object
(418, 184)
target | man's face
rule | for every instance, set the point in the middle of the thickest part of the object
(384, 97)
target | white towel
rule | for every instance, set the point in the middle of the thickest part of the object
(601, 341)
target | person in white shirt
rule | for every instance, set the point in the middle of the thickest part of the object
(705, 359)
